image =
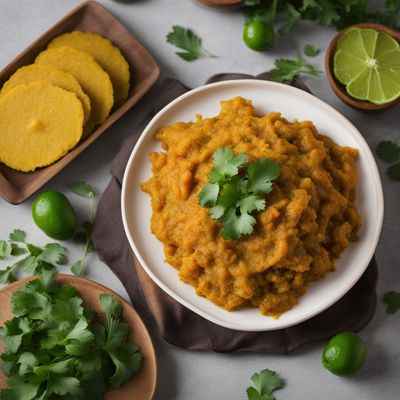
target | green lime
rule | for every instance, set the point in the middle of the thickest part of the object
(54, 215)
(344, 354)
(258, 35)
(367, 62)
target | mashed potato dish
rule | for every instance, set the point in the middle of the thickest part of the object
(309, 219)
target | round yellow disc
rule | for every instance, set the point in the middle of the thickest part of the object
(94, 81)
(39, 123)
(105, 53)
(38, 72)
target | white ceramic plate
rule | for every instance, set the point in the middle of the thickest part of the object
(292, 103)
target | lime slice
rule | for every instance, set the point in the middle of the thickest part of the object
(367, 62)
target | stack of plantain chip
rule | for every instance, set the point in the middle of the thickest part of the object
(47, 107)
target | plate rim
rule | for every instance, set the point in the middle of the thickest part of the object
(374, 173)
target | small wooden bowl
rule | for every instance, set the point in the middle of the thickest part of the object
(142, 385)
(338, 88)
(222, 4)
(16, 186)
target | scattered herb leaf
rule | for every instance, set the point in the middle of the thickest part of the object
(392, 301)
(36, 258)
(17, 235)
(188, 41)
(7, 276)
(5, 249)
(54, 349)
(287, 70)
(394, 172)
(265, 383)
(236, 189)
(388, 151)
(310, 50)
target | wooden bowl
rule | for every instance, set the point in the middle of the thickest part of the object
(338, 88)
(16, 186)
(222, 4)
(142, 385)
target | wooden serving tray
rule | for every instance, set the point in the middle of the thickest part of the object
(16, 186)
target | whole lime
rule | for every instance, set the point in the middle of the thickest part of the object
(54, 215)
(344, 354)
(258, 35)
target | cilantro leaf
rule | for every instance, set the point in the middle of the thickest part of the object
(251, 203)
(290, 23)
(111, 306)
(394, 172)
(12, 333)
(392, 301)
(310, 50)
(5, 249)
(81, 189)
(287, 70)
(69, 310)
(209, 195)
(54, 253)
(226, 163)
(16, 250)
(17, 235)
(63, 385)
(388, 151)
(77, 268)
(26, 362)
(261, 174)
(187, 40)
(216, 212)
(231, 194)
(26, 300)
(29, 264)
(127, 360)
(21, 389)
(265, 383)
(7, 275)
(234, 226)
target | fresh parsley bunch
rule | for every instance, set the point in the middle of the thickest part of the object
(54, 348)
(237, 188)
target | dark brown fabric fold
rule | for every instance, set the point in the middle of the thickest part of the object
(184, 328)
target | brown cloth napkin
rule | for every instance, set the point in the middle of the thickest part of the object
(181, 326)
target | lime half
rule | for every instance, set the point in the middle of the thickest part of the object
(367, 62)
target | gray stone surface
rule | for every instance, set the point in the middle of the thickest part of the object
(201, 375)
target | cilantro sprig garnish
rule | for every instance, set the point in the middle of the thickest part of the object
(54, 348)
(35, 258)
(189, 42)
(265, 383)
(237, 188)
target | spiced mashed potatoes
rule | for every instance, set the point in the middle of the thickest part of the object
(309, 219)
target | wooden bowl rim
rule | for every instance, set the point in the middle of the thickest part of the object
(337, 87)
